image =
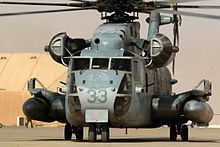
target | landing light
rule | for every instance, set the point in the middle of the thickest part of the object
(113, 89)
(80, 89)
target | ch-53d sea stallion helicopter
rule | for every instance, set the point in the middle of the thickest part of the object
(116, 79)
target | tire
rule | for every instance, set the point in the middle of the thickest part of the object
(92, 133)
(184, 133)
(173, 133)
(1, 125)
(105, 133)
(79, 133)
(68, 132)
(105, 136)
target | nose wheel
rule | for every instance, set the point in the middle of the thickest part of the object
(92, 133)
(105, 133)
(95, 129)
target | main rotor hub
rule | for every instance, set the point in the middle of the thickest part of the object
(120, 18)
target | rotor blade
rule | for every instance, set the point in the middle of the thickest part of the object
(179, 1)
(173, 67)
(175, 25)
(217, 17)
(189, 6)
(42, 4)
(198, 7)
(175, 30)
(177, 35)
(80, 1)
(41, 12)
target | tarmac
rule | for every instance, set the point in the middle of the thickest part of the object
(53, 137)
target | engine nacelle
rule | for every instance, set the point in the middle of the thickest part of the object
(62, 46)
(161, 52)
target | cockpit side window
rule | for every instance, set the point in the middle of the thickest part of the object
(80, 64)
(100, 63)
(121, 64)
(125, 86)
(72, 88)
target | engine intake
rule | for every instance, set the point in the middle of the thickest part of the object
(62, 46)
(162, 52)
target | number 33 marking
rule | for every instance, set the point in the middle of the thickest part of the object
(101, 98)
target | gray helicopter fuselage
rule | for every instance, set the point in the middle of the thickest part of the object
(109, 84)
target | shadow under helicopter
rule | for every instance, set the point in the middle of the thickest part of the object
(138, 140)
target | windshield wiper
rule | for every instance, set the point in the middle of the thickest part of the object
(114, 66)
(82, 70)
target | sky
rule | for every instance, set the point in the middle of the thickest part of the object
(198, 58)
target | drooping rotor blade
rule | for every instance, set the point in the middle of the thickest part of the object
(175, 26)
(46, 11)
(173, 67)
(187, 14)
(175, 34)
(42, 4)
(175, 41)
(179, 1)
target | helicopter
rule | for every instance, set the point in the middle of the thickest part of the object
(117, 79)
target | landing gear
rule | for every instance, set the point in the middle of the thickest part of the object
(79, 133)
(100, 129)
(69, 130)
(92, 133)
(181, 130)
(184, 133)
(105, 133)
(173, 133)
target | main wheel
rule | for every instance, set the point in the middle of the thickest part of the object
(79, 133)
(184, 133)
(92, 133)
(173, 133)
(1, 125)
(68, 132)
(105, 133)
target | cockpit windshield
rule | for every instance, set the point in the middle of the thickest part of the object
(100, 63)
(121, 64)
(81, 64)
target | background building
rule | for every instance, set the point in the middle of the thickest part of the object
(15, 70)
